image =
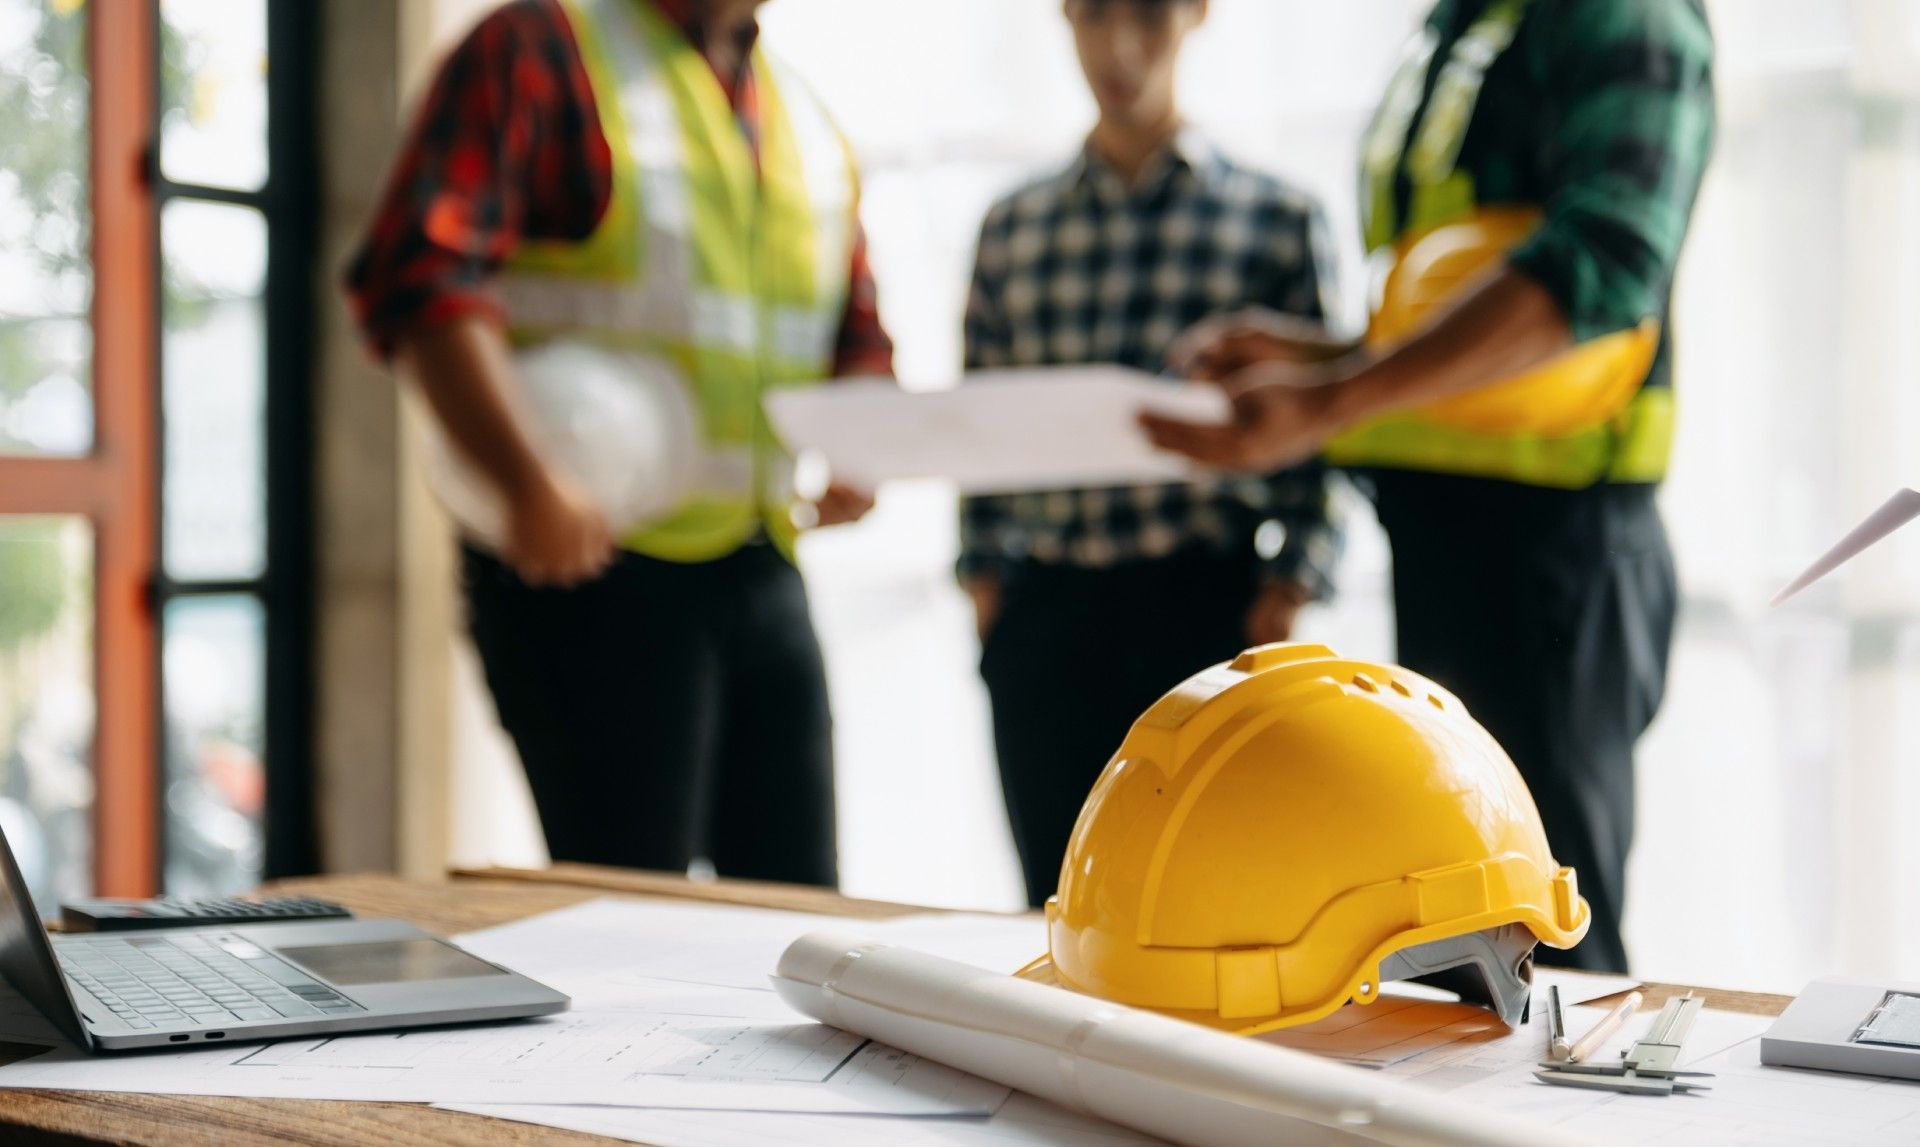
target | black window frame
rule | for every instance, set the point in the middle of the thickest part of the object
(287, 202)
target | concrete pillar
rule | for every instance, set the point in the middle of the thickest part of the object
(385, 571)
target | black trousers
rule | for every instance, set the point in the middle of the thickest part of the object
(1550, 614)
(1071, 662)
(667, 712)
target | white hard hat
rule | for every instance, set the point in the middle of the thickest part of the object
(619, 423)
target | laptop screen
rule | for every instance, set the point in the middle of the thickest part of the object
(26, 958)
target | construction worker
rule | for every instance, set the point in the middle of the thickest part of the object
(637, 174)
(1532, 575)
(1091, 602)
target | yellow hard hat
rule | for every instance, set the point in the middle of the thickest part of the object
(1580, 389)
(1282, 834)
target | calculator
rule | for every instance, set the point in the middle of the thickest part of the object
(133, 915)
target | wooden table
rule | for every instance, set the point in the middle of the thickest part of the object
(466, 901)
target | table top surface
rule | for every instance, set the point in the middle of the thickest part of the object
(466, 901)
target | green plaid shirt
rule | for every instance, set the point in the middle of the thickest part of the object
(1599, 112)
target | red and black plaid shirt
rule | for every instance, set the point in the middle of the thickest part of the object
(507, 146)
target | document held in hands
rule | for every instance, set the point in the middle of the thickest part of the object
(998, 432)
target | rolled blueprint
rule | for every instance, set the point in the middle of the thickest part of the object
(1158, 1075)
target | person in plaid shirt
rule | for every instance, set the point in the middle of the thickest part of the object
(1092, 603)
(1532, 574)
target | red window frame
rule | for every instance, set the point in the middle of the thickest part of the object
(115, 486)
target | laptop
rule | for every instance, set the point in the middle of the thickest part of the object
(188, 986)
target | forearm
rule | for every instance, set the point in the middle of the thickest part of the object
(465, 369)
(1505, 326)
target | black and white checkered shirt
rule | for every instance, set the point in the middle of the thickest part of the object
(1081, 268)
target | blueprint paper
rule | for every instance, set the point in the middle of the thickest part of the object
(1749, 1105)
(1023, 1122)
(1054, 428)
(573, 948)
(673, 1008)
(599, 1056)
(1156, 1075)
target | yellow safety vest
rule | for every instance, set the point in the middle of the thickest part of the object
(1633, 444)
(736, 273)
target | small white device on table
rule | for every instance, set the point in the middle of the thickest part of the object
(1863, 1027)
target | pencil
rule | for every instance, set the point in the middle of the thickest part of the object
(1587, 1044)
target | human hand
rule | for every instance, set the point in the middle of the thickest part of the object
(841, 504)
(984, 590)
(1274, 610)
(1281, 413)
(1231, 341)
(556, 536)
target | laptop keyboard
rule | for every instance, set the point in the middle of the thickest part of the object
(195, 981)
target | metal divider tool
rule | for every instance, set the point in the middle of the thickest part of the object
(1558, 1049)
(1646, 1068)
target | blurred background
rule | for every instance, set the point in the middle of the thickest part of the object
(229, 641)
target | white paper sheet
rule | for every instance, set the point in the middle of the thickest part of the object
(1497, 1073)
(996, 943)
(672, 1007)
(574, 948)
(1895, 512)
(1748, 1105)
(1023, 1122)
(998, 431)
(1157, 1075)
(590, 1056)
(712, 944)
(1509, 1062)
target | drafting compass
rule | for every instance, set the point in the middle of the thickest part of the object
(1646, 1068)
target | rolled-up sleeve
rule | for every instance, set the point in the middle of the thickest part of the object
(505, 146)
(1630, 101)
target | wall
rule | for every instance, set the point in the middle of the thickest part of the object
(384, 582)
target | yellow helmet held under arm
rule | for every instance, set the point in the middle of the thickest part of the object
(1582, 388)
(1281, 834)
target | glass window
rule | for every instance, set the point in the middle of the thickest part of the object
(46, 283)
(46, 702)
(215, 713)
(213, 117)
(213, 366)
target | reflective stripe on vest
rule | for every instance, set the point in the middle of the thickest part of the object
(1635, 446)
(735, 271)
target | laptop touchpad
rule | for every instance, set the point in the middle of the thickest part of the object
(388, 962)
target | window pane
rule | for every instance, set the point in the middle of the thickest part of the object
(46, 702)
(213, 118)
(214, 678)
(46, 283)
(213, 389)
